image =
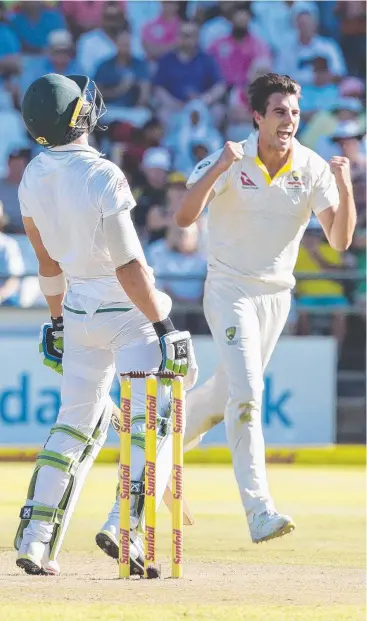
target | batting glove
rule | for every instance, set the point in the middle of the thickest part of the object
(51, 344)
(178, 353)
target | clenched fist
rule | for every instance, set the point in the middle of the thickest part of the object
(232, 152)
(341, 170)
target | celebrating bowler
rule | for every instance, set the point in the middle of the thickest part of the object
(260, 194)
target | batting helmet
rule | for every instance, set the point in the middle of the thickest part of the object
(58, 109)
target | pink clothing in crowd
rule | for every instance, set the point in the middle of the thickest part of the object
(238, 99)
(236, 57)
(87, 13)
(161, 31)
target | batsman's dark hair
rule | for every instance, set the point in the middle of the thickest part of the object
(261, 89)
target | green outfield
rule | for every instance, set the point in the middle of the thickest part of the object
(315, 574)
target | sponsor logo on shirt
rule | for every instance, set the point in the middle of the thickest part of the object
(204, 164)
(246, 182)
(295, 181)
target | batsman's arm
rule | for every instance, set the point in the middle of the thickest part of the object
(137, 283)
(131, 267)
(51, 277)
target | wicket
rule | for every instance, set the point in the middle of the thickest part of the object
(151, 384)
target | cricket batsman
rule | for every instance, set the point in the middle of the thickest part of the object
(260, 194)
(106, 314)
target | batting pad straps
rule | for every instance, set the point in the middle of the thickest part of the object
(56, 460)
(89, 441)
(138, 439)
(74, 433)
(42, 513)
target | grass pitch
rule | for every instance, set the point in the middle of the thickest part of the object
(315, 574)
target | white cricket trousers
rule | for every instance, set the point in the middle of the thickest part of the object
(95, 348)
(245, 330)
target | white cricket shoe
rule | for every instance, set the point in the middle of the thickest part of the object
(33, 557)
(269, 525)
(107, 540)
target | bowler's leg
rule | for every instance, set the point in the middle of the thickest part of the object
(236, 332)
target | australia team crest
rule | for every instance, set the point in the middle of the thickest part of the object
(230, 334)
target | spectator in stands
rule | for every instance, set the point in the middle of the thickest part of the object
(123, 81)
(274, 22)
(11, 265)
(218, 26)
(83, 15)
(194, 124)
(161, 217)
(12, 131)
(138, 14)
(316, 134)
(160, 35)
(185, 74)
(297, 58)
(59, 58)
(316, 256)
(150, 189)
(99, 44)
(353, 35)
(329, 145)
(17, 162)
(33, 22)
(129, 143)
(353, 87)
(236, 53)
(322, 93)
(329, 20)
(179, 266)
(201, 10)
(239, 113)
(349, 136)
(10, 60)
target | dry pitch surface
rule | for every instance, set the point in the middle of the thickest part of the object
(315, 574)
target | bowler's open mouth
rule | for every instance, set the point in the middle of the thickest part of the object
(283, 135)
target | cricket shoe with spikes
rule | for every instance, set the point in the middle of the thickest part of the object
(107, 540)
(270, 525)
(33, 557)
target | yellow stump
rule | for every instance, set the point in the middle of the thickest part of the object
(150, 470)
(177, 478)
(124, 477)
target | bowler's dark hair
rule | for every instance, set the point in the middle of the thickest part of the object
(261, 89)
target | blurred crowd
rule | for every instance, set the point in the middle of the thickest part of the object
(174, 77)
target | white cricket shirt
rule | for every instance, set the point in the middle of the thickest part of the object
(68, 191)
(255, 223)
